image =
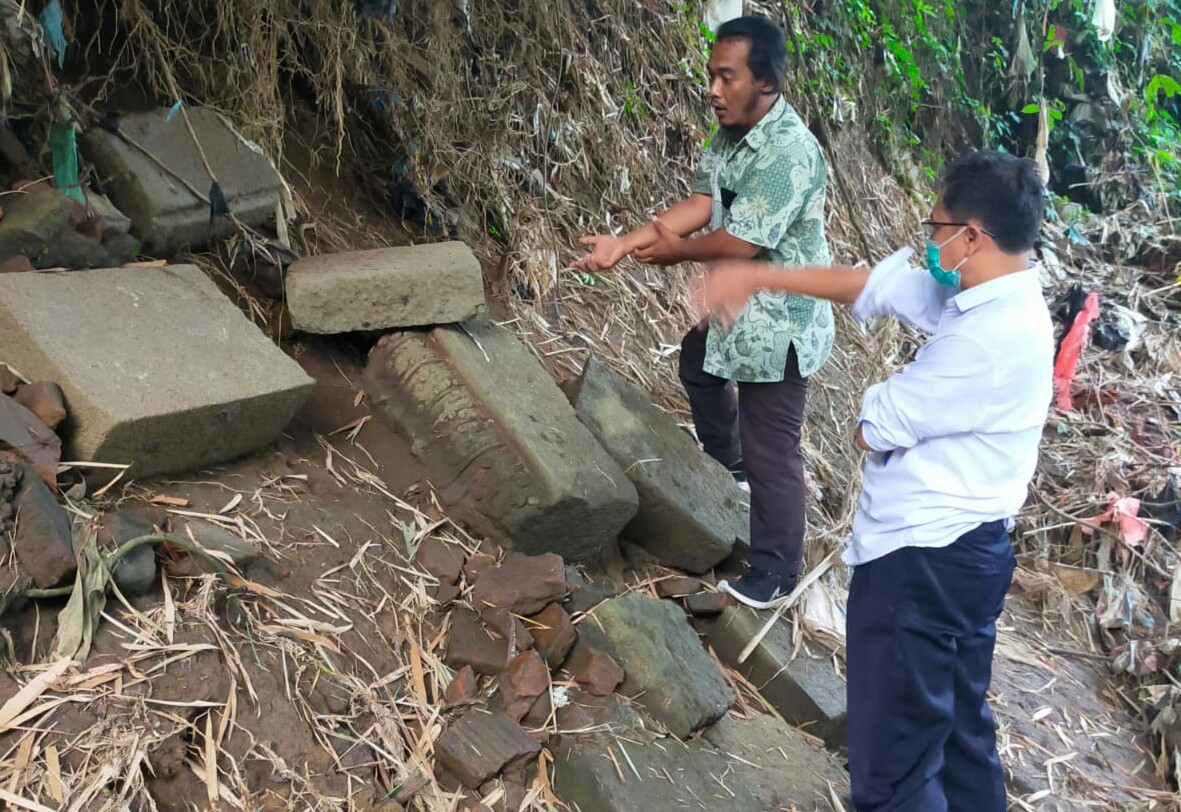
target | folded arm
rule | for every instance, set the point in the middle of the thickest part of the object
(947, 389)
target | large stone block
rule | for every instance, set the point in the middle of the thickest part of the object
(664, 663)
(778, 765)
(412, 286)
(499, 442)
(806, 690)
(751, 765)
(159, 369)
(691, 510)
(164, 214)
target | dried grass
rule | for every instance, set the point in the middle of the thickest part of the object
(530, 127)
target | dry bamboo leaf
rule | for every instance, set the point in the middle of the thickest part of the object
(24, 754)
(23, 803)
(211, 788)
(418, 678)
(11, 709)
(57, 789)
(253, 586)
(170, 501)
(169, 608)
(300, 634)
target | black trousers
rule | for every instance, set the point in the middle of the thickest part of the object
(921, 628)
(758, 424)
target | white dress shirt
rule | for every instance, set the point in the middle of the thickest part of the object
(956, 431)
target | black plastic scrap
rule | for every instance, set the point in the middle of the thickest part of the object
(218, 205)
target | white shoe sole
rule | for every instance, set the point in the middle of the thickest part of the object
(746, 600)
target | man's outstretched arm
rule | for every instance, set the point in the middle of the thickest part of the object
(730, 284)
(606, 250)
(669, 248)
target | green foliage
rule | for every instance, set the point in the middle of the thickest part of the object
(632, 106)
(940, 74)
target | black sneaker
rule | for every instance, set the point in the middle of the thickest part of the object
(758, 588)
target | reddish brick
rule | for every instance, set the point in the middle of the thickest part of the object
(462, 688)
(44, 399)
(595, 670)
(553, 634)
(526, 678)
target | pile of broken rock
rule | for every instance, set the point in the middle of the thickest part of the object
(40, 527)
(551, 656)
(41, 229)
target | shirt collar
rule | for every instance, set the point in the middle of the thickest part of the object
(994, 289)
(757, 135)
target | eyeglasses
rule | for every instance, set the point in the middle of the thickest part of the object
(930, 225)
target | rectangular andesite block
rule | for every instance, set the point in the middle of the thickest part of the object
(159, 369)
(498, 440)
(691, 510)
(411, 286)
(807, 691)
(164, 214)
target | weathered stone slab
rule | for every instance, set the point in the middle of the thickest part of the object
(807, 691)
(788, 772)
(43, 543)
(410, 286)
(159, 369)
(470, 644)
(164, 214)
(502, 447)
(586, 592)
(29, 438)
(480, 744)
(691, 510)
(224, 543)
(523, 584)
(740, 766)
(707, 604)
(135, 573)
(665, 665)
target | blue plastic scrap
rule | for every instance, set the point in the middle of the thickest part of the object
(173, 111)
(63, 143)
(51, 26)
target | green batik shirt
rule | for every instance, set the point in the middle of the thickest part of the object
(768, 190)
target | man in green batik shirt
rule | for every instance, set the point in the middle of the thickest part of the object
(759, 191)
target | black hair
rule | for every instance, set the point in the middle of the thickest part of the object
(1004, 192)
(768, 49)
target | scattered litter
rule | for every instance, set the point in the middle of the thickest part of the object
(1069, 350)
(1123, 512)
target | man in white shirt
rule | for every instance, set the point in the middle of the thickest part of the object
(952, 441)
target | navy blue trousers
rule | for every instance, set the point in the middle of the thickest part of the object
(921, 632)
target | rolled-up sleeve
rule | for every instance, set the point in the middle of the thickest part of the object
(897, 289)
(948, 389)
